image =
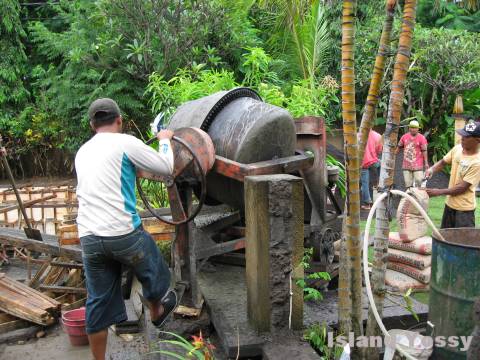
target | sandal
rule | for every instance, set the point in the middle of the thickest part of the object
(169, 302)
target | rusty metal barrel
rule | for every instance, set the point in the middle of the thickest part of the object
(243, 128)
(454, 287)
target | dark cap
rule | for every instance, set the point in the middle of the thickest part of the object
(472, 128)
(107, 107)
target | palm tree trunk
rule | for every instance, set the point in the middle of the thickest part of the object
(388, 159)
(365, 126)
(353, 169)
(377, 77)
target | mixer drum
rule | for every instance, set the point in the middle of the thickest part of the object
(243, 128)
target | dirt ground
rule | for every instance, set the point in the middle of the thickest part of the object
(41, 181)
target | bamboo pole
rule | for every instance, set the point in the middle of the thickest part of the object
(402, 63)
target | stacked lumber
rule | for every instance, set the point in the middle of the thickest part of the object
(68, 235)
(68, 232)
(26, 303)
(62, 280)
(159, 231)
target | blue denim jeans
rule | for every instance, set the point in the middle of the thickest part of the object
(103, 258)
(364, 186)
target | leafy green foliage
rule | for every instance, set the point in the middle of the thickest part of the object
(152, 56)
(13, 66)
(187, 84)
(449, 15)
(191, 84)
(317, 335)
(199, 348)
(82, 50)
(311, 293)
(319, 100)
(342, 177)
(409, 304)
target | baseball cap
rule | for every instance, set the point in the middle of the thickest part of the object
(414, 124)
(472, 128)
(105, 107)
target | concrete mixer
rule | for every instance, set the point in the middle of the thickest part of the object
(219, 140)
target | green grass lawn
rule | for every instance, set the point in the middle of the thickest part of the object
(435, 211)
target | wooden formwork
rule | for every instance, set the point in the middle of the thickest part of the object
(68, 232)
(57, 216)
(45, 216)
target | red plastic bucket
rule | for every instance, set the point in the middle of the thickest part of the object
(73, 322)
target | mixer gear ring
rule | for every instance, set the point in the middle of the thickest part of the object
(175, 201)
(224, 101)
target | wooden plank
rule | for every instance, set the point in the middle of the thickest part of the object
(118, 329)
(28, 292)
(75, 305)
(72, 241)
(55, 205)
(21, 334)
(63, 289)
(49, 245)
(239, 171)
(220, 248)
(13, 325)
(67, 264)
(153, 225)
(163, 237)
(34, 282)
(20, 300)
(189, 311)
(26, 204)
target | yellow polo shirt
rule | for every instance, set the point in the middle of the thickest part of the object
(466, 168)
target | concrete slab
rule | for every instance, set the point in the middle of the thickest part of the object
(56, 346)
(225, 295)
(288, 346)
(395, 316)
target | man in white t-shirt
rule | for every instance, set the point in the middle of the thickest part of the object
(110, 229)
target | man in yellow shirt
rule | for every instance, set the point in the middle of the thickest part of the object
(464, 178)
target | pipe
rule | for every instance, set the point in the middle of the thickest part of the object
(365, 257)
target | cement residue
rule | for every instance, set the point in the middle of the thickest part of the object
(281, 229)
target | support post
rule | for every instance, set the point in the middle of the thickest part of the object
(185, 266)
(274, 234)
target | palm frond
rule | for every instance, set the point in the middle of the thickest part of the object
(317, 44)
(472, 5)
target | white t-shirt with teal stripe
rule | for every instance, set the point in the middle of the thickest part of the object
(106, 170)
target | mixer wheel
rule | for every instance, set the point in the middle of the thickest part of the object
(194, 156)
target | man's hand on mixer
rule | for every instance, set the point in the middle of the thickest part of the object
(165, 134)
